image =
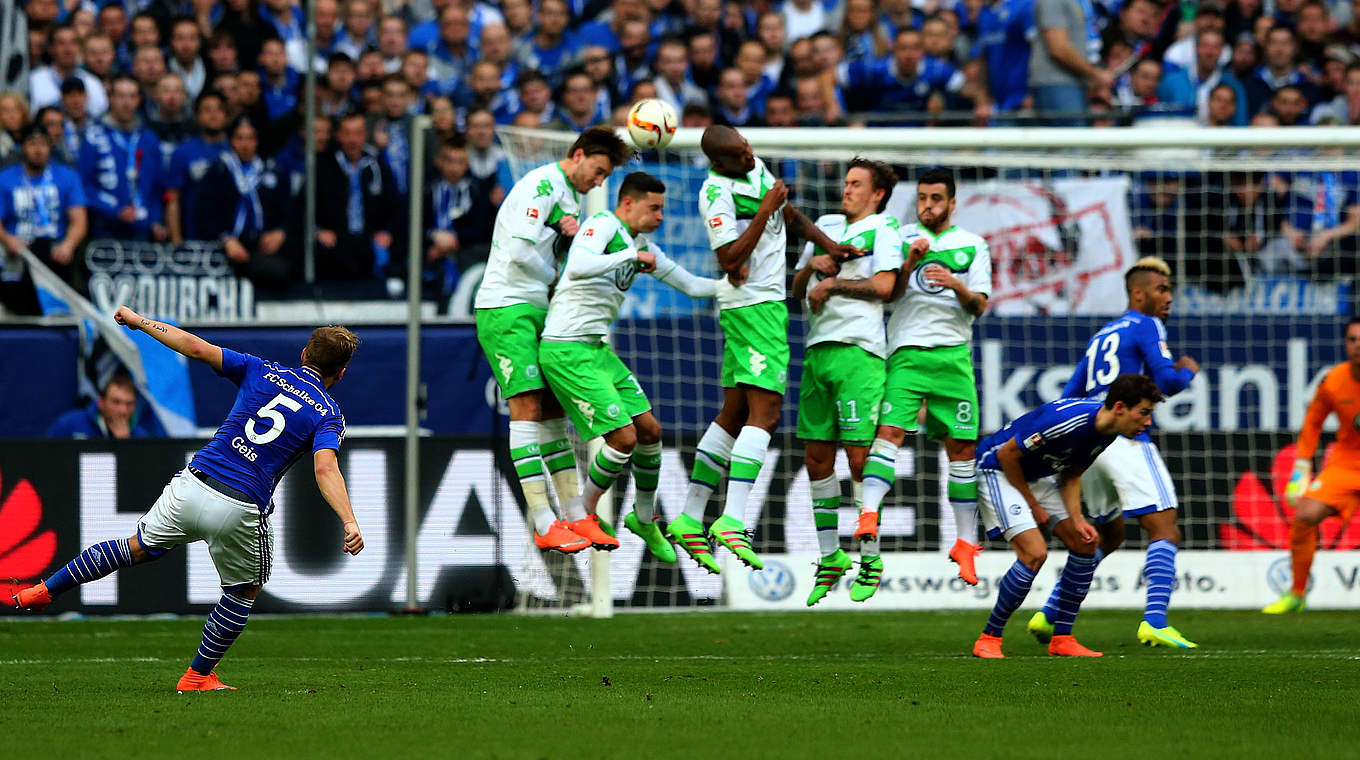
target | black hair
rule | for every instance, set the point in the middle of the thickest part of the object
(637, 185)
(938, 176)
(1132, 388)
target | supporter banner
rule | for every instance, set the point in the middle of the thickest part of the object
(927, 581)
(182, 283)
(1058, 246)
(57, 497)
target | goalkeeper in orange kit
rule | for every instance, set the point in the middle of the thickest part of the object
(1336, 490)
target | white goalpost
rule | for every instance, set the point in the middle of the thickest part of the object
(1238, 214)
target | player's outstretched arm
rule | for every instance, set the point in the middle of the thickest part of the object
(332, 486)
(803, 227)
(669, 271)
(182, 341)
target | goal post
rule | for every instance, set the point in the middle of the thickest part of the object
(1065, 212)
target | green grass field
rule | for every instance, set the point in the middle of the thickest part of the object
(713, 684)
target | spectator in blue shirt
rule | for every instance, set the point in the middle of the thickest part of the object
(113, 415)
(1004, 31)
(733, 107)
(553, 49)
(1280, 68)
(452, 53)
(278, 82)
(190, 164)
(42, 208)
(580, 109)
(607, 29)
(120, 165)
(908, 80)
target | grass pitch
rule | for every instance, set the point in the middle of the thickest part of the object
(687, 685)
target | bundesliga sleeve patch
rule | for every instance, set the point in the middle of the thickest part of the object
(715, 222)
(590, 232)
(532, 213)
(1166, 350)
(1033, 442)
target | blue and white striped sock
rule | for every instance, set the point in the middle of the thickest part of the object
(1160, 574)
(1075, 582)
(1051, 606)
(90, 565)
(1015, 585)
(225, 623)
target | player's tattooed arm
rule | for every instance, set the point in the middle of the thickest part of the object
(877, 289)
(170, 336)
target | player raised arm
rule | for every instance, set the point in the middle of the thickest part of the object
(804, 228)
(915, 252)
(732, 255)
(331, 483)
(182, 341)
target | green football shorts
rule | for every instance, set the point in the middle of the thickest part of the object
(841, 389)
(942, 379)
(594, 386)
(509, 337)
(756, 346)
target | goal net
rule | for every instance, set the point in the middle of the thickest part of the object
(1256, 225)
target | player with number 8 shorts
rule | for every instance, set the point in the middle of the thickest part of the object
(534, 226)
(1130, 479)
(843, 368)
(1335, 492)
(941, 290)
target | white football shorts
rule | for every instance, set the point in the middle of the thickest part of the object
(1005, 513)
(1128, 477)
(239, 538)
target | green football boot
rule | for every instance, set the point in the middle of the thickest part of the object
(829, 570)
(689, 534)
(650, 533)
(729, 532)
(866, 583)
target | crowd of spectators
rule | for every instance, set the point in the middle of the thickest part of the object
(172, 120)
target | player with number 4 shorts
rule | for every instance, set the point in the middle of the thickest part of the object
(747, 220)
(1335, 492)
(1029, 474)
(843, 368)
(941, 290)
(1130, 479)
(224, 496)
(534, 227)
(600, 394)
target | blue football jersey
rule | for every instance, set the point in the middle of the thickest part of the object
(1057, 436)
(280, 414)
(1132, 343)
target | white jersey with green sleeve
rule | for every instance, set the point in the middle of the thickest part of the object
(522, 264)
(727, 206)
(601, 265)
(926, 315)
(851, 320)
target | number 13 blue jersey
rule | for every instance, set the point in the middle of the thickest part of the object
(280, 414)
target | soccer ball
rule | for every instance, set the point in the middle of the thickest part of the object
(651, 124)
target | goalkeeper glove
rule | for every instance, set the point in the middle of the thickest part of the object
(1298, 482)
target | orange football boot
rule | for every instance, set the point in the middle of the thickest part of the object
(963, 554)
(192, 680)
(1067, 646)
(590, 529)
(988, 647)
(867, 528)
(32, 598)
(560, 538)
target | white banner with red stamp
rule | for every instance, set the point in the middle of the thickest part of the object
(1059, 246)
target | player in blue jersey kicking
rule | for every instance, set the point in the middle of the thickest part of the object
(1029, 473)
(1130, 479)
(224, 496)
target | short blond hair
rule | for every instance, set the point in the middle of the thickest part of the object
(1145, 265)
(329, 349)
